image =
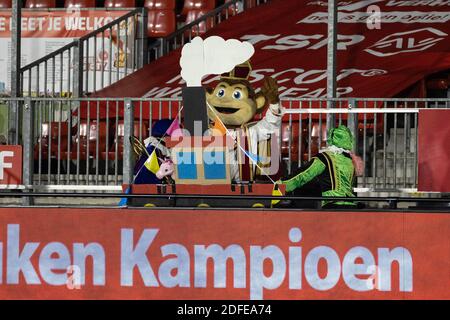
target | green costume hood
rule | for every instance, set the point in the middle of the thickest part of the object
(341, 137)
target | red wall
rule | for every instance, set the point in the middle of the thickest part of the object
(434, 150)
(315, 254)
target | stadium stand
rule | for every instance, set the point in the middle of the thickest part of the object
(53, 136)
(120, 3)
(96, 137)
(202, 26)
(194, 5)
(79, 4)
(160, 4)
(290, 133)
(40, 4)
(5, 4)
(161, 18)
(318, 137)
(119, 140)
(194, 9)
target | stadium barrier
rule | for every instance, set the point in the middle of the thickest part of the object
(82, 144)
(199, 26)
(74, 69)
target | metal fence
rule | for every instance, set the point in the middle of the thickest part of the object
(76, 69)
(82, 144)
(385, 130)
(199, 26)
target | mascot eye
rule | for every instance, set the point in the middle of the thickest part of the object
(220, 93)
(237, 94)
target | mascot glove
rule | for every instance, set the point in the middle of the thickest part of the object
(276, 109)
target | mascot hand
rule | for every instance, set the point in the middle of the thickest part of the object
(276, 109)
(270, 90)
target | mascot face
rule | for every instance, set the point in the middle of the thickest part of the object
(234, 102)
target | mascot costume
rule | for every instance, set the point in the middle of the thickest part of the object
(232, 105)
(232, 108)
(330, 173)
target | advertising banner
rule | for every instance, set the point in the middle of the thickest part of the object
(63, 253)
(10, 166)
(44, 32)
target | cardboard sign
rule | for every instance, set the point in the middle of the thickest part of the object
(201, 160)
(10, 165)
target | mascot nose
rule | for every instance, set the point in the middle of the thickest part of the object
(227, 101)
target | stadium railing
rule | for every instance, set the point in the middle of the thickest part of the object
(73, 70)
(83, 144)
(69, 71)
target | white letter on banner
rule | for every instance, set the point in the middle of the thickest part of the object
(220, 257)
(405, 265)
(137, 257)
(351, 269)
(47, 264)
(5, 165)
(295, 41)
(258, 281)
(181, 264)
(254, 39)
(311, 268)
(17, 262)
(96, 251)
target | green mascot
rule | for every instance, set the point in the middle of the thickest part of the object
(330, 173)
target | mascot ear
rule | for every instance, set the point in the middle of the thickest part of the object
(260, 102)
(209, 90)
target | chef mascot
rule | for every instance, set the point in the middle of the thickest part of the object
(233, 105)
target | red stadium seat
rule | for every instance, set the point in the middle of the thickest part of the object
(161, 23)
(82, 142)
(317, 132)
(57, 142)
(79, 4)
(203, 26)
(111, 154)
(233, 9)
(95, 129)
(159, 4)
(5, 4)
(206, 5)
(438, 84)
(120, 3)
(38, 4)
(291, 132)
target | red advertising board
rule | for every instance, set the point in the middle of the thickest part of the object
(10, 165)
(214, 254)
(434, 150)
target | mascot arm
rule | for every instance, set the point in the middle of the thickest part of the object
(271, 122)
(315, 168)
(268, 125)
(152, 141)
